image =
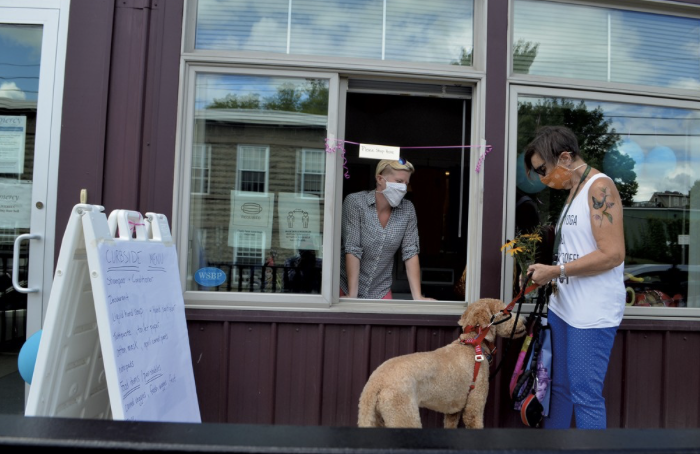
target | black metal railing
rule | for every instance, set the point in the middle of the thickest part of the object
(264, 278)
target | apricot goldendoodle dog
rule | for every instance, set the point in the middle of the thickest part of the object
(440, 380)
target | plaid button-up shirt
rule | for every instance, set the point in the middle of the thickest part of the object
(365, 238)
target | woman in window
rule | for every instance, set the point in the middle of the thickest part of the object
(589, 301)
(376, 224)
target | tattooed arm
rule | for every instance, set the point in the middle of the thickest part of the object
(606, 221)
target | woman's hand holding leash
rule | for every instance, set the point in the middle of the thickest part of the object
(542, 274)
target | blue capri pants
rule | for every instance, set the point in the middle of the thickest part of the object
(580, 360)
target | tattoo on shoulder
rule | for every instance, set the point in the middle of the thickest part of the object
(602, 205)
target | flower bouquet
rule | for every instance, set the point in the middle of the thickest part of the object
(523, 248)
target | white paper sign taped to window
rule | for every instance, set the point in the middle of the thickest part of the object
(15, 197)
(379, 151)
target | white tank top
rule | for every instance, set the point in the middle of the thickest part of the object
(586, 301)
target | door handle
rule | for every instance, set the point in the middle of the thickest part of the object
(15, 262)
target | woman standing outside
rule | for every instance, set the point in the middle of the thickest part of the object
(587, 306)
(376, 224)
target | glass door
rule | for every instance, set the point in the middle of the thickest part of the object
(31, 78)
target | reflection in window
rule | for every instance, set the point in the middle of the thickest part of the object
(439, 31)
(252, 168)
(605, 44)
(653, 155)
(201, 167)
(311, 170)
(264, 142)
(249, 256)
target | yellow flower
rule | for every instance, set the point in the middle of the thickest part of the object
(508, 244)
(523, 248)
(532, 237)
(516, 250)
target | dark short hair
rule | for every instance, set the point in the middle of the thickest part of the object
(549, 143)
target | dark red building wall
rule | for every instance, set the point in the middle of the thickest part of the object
(261, 367)
(120, 106)
(256, 367)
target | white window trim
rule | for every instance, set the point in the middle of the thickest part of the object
(516, 91)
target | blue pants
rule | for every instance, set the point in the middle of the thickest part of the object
(579, 362)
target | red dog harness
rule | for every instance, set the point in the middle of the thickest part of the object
(476, 343)
(481, 334)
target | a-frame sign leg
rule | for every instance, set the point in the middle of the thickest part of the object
(69, 377)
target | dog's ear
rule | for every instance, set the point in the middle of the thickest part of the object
(478, 313)
(496, 306)
(463, 319)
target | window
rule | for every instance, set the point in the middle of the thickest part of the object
(438, 32)
(201, 167)
(269, 122)
(252, 168)
(605, 44)
(420, 125)
(651, 149)
(259, 143)
(311, 168)
(248, 258)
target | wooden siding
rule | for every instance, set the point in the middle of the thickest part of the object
(254, 367)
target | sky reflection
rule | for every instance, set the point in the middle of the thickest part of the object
(408, 30)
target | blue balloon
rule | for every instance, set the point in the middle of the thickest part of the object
(662, 160)
(634, 151)
(529, 185)
(27, 357)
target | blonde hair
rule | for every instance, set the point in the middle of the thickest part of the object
(395, 165)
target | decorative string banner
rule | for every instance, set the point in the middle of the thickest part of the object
(337, 145)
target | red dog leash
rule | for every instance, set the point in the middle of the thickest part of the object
(481, 333)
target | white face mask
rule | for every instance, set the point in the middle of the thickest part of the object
(394, 192)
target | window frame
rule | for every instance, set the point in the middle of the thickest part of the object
(329, 299)
(515, 91)
(336, 69)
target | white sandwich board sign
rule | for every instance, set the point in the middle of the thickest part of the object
(114, 343)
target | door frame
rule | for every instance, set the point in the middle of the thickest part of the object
(52, 15)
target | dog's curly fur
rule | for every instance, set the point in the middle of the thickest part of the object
(438, 380)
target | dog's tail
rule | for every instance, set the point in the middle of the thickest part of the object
(367, 414)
